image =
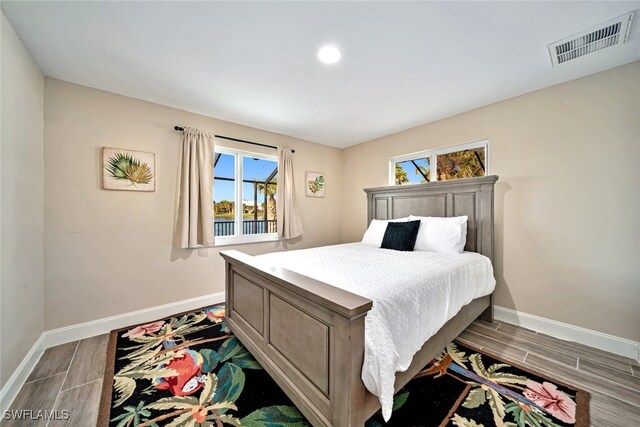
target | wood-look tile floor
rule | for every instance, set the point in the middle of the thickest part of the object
(69, 377)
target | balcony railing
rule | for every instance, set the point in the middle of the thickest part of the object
(227, 228)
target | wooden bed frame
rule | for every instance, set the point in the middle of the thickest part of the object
(309, 335)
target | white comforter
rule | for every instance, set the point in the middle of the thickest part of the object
(414, 294)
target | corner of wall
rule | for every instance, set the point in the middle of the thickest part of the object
(21, 206)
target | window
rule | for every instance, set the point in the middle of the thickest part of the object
(244, 196)
(457, 162)
(413, 171)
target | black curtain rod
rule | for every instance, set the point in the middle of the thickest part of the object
(181, 129)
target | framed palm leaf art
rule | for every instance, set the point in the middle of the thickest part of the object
(315, 184)
(128, 170)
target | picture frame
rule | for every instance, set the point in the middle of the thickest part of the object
(315, 184)
(128, 170)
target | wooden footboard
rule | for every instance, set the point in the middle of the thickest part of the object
(309, 336)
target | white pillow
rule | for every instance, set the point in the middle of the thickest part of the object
(440, 234)
(375, 232)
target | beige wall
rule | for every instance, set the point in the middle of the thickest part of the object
(21, 217)
(567, 223)
(567, 202)
(110, 252)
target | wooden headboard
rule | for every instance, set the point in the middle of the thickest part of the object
(472, 197)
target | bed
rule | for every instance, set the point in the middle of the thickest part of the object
(310, 335)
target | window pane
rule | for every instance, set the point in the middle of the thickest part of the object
(259, 195)
(224, 194)
(461, 164)
(414, 171)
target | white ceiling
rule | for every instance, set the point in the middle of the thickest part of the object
(403, 64)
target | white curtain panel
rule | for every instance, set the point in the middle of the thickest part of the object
(194, 219)
(287, 212)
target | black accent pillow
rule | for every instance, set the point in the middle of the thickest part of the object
(400, 236)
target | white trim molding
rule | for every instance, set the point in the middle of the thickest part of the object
(102, 326)
(565, 331)
(12, 387)
(80, 331)
(8, 393)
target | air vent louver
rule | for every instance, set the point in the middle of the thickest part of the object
(609, 34)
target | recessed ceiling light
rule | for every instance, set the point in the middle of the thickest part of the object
(329, 54)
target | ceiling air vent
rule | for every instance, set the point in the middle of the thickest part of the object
(605, 35)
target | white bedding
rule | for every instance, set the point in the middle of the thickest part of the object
(414, 294)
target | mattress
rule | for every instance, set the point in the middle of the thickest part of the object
(414, 294)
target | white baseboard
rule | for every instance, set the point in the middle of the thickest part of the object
(10, 390)
(102, 326)
(610, 343)
(565, 331)
(89, 329)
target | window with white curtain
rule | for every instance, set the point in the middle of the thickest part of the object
(245, 196)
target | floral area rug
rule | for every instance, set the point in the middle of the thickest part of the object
(190, 371)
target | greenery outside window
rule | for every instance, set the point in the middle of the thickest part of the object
(245, 196)
(457, 162)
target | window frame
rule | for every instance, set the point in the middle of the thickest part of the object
(240, 238)
(433, 159)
